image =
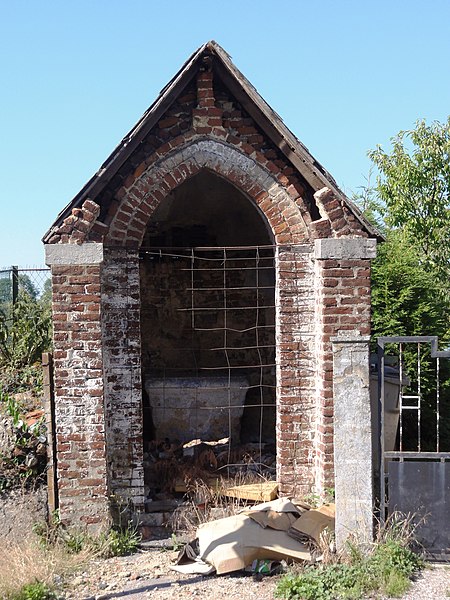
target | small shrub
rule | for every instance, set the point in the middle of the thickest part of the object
(25, 334)
(34, 591)
(387, 568)
(120, 542)
(26, 460)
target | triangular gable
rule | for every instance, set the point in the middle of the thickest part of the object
(263, 115)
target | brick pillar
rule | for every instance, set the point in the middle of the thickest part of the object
(122, 366)
(78, 381)
(342, 287)
(295, 369)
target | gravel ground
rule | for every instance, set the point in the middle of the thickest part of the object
(432, 584)
(148, 575)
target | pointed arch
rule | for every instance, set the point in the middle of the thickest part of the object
(154, 183)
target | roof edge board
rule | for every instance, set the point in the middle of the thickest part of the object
(131, 140)
(272, 124)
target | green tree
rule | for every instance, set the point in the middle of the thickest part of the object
(410, 203)
(414, 188)
(406, 296)
(25, 285)
(46, 296)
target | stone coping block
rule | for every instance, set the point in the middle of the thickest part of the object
(345, 248)
(90, 253)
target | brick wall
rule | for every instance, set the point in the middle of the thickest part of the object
(342, 303)
(295, 370)
(79, 414)
(122, 373)
(204, 128)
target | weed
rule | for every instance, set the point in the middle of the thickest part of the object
(176, 544)
(27, 568)
(315, 500)
(387, 568)
(208, 501)
(118, 541)
(312, 499)
(34, 591)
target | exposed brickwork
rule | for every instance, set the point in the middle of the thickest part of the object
(342, 303)
(340, 221)
(80, 419)
(97, 309)
(295, 370)
(143, 196)
(75, 228)
(196, 114)
(122, 373)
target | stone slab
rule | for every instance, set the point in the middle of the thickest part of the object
(345, 248)
(186, 408)
(90, 253)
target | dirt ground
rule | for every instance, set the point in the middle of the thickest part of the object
(147, 574)
(20, 510)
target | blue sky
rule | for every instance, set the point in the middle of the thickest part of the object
(345, 75)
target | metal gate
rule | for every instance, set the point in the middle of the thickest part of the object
(414, 447)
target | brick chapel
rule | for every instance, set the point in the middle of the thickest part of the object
(198, 278)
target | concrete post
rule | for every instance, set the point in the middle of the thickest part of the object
(352, 438)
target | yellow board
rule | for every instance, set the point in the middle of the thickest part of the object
(258, 492)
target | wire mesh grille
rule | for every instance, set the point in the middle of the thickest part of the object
(208, 337)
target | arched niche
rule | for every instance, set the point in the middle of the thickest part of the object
(208, 321)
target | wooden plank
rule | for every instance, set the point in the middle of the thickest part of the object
(49, 407)
(257, 492)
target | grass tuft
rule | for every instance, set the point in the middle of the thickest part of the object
(28, 569)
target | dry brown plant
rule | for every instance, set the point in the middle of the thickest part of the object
(207, 501)
(28, 561)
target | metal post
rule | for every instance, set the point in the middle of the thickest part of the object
(15, 283)
(381, 438)
(49, 404)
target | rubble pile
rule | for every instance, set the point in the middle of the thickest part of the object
(169, 464)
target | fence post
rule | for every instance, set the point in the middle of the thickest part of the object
(15, 283)
(49, 406)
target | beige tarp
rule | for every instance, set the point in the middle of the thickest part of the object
(313, 522)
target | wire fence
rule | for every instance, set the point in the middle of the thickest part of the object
(34, 281)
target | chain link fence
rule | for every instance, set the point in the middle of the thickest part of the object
(34, 281)
(25, 327)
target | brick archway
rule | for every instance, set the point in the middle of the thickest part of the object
(294, 273)
(152, 185)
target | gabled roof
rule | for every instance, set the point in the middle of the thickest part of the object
(266, 118)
